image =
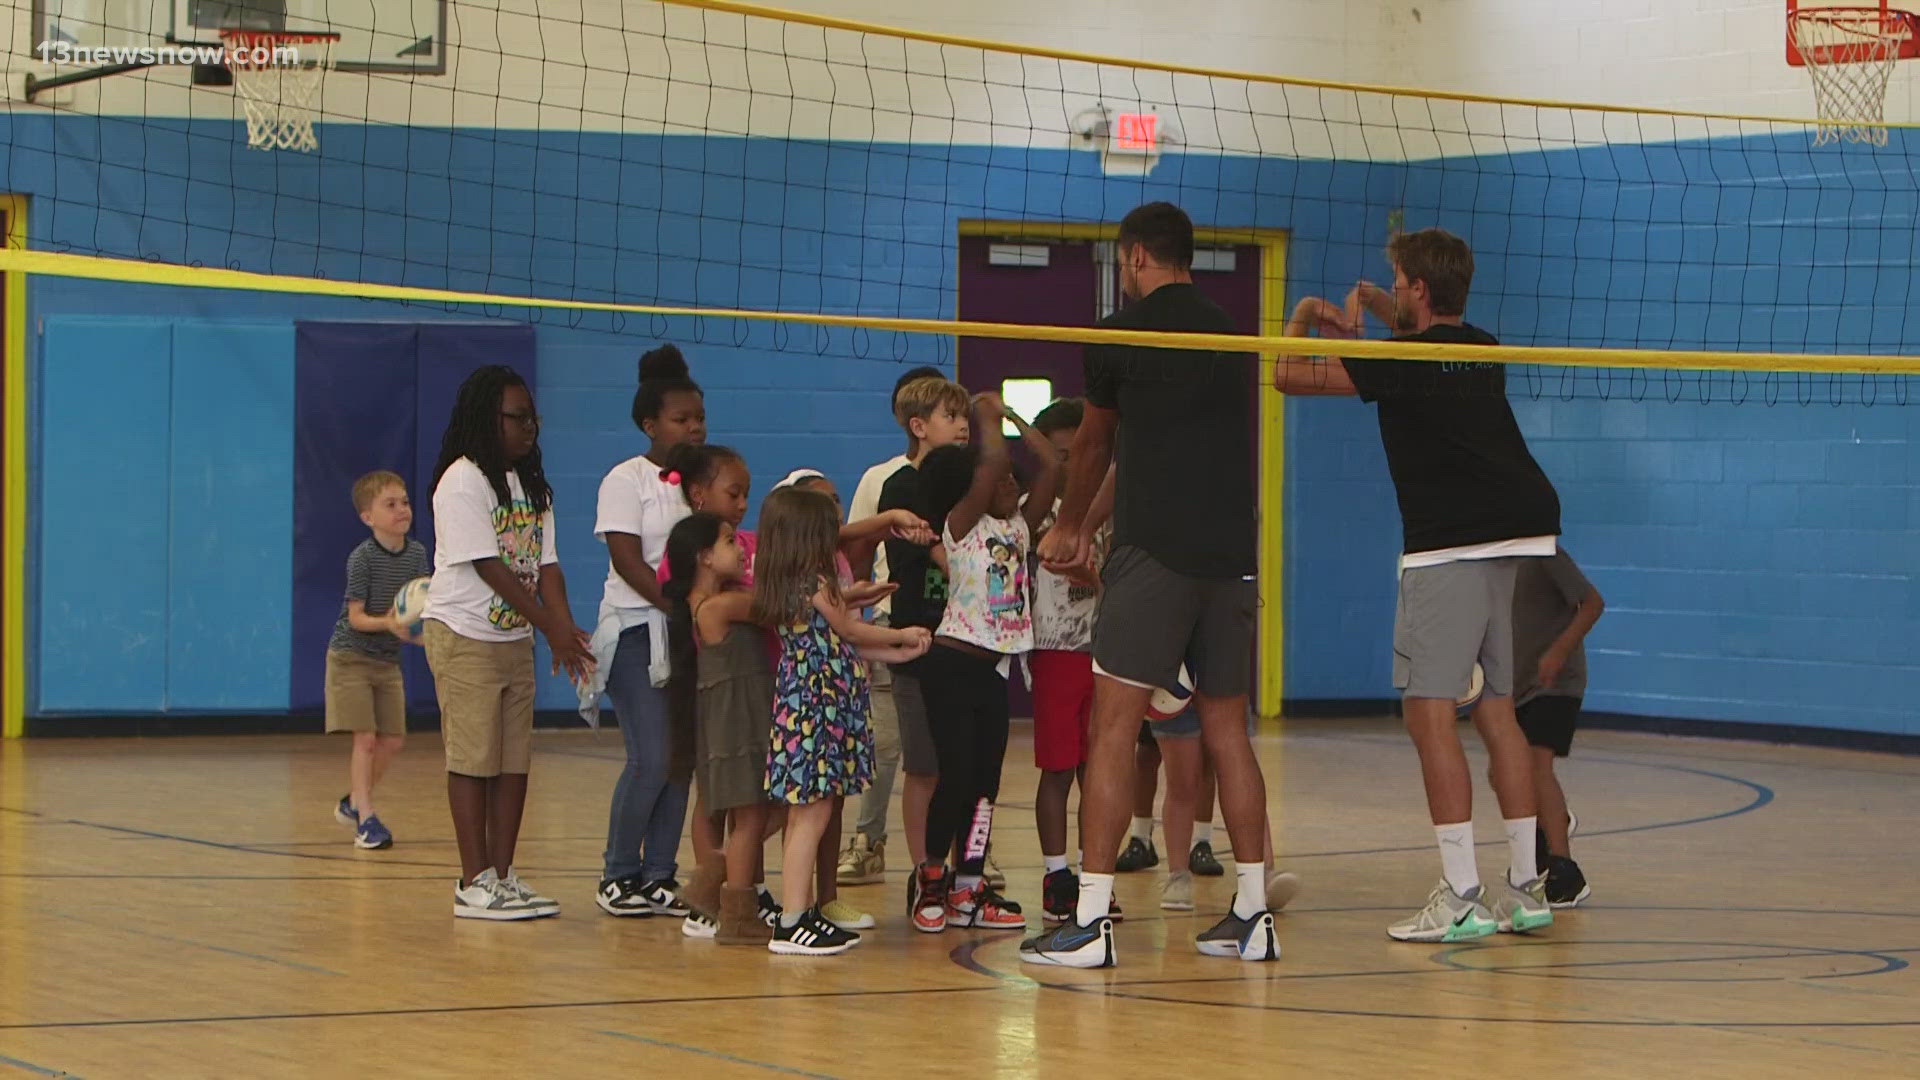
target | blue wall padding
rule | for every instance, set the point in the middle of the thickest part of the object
(103, 485)
(231, 520)
(354, 392)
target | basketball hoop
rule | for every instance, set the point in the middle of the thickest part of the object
(277, 89)
(1850, 52)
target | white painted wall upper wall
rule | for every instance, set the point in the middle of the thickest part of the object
(634, 65)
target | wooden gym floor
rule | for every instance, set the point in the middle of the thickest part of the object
(187, 907)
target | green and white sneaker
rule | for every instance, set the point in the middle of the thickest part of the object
(1520, 908)
(1447, 917)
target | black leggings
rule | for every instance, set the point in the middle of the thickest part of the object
(967, 712)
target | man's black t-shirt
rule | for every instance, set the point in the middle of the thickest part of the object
(1184, 490)
(1460, 466)
(922, 596)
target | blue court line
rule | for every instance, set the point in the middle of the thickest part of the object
(34, 1069)
(718, 1056)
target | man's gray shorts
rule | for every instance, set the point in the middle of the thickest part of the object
(1449, 616)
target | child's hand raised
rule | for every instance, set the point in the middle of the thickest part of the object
(868, 593)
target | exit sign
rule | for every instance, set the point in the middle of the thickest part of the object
(1137, 132)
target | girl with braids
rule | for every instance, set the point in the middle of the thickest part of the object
(820, 747)
(496, 578)
(640, 502)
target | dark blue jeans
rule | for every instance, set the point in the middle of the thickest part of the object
(643, 826)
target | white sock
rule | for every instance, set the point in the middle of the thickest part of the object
(1520, 849)
(1203, 834)
(1251, 898)
(1456, 856)
(790, 919)
(1096, 897)
(1054, 862)
(963, 882)
(1079, 858)
(1143, 828)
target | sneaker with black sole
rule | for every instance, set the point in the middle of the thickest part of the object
(1202, 862)
(1138, 855)
(663, 896)
(345, 814)
(1566, 885)
(813, 935)
(372, 835)
(1252, 939)
(622, 896)
(1072, 945)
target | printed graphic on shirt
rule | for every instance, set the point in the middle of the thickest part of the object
(1006, 582)
(521, 538)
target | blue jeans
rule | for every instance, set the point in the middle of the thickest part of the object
(643, 826)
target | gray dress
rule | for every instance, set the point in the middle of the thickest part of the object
(735, 718)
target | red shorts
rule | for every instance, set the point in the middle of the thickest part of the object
(1062, 701)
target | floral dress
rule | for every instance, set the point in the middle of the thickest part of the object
(822, 746)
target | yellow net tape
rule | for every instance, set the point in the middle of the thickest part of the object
(154, 273)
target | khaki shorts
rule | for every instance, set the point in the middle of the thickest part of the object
(486, 701)
(365, 694)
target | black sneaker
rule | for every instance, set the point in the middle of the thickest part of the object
(1202, 861)
(770, 909)
(1542, 854)
(813, 935)
(1248, 939)
(1072, 945)
(1139, 855)
(1566, 885)
(1060, 896)
(663, 897)
(623, 896)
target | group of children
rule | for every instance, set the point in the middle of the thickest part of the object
(746, 680)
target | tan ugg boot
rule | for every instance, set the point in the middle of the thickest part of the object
(740, 922)
(702, 894)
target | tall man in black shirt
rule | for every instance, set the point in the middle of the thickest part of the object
(1473, 502)
(1179, 583)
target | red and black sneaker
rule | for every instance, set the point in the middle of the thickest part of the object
(979, 906)
(1060, 898)
(927, 897)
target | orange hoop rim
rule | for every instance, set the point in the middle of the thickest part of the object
(239, 40)
(1888, 18)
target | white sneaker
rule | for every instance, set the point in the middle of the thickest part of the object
(1520, 908)
(696, 925)
(1176, 893)
(485, 897)
(545, 905)
(1447, 917)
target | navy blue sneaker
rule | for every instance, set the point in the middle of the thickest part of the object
(371, 835)
(345, 814)
(1072, 945)
(1248, 939)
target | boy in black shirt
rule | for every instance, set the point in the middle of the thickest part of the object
(1473, 503)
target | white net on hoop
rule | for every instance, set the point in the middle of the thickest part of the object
(278, 77)
(1850, 52)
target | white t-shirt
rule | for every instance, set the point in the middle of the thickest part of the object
(469, 523)
(1063, 611)
(634, 500)
(987, 586)
(865, 504)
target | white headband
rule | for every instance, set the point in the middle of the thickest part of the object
(798, 475)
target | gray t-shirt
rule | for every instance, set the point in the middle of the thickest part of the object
(1546, 594)
(374, 577)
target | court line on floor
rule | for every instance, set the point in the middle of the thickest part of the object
(37, 1070)
(718, 1056)
(136, 931)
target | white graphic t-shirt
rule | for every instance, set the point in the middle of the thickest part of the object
(987, 586)
(469, 523)
(1063, 610)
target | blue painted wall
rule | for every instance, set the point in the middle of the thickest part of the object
(1795, 516)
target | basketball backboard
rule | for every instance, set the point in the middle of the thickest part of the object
(402, 36)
